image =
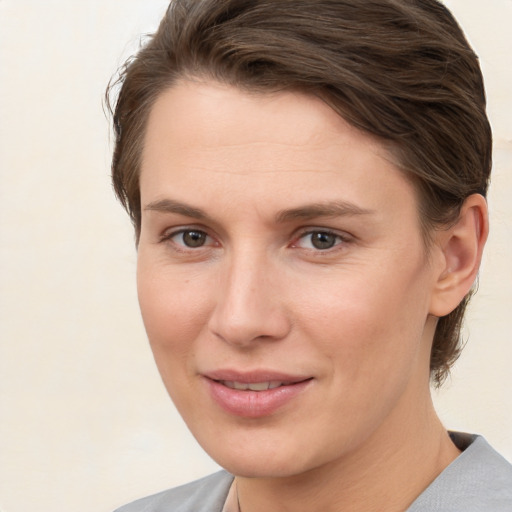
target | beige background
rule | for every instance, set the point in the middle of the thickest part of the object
(85, 423)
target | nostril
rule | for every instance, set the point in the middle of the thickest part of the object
(249, 328)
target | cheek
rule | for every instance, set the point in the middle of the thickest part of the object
(174, 309)
(368, 323)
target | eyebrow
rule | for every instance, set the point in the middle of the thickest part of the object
(305, 212)
(172, 206)
(329, 209)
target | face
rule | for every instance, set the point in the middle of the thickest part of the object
(282, 278)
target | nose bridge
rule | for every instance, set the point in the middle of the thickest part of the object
(249, 304)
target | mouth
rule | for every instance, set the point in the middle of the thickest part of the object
(255, 394)
(255, 386)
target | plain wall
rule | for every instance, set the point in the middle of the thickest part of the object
(85, 421)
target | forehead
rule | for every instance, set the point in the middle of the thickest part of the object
(213, 115)
(282, 145)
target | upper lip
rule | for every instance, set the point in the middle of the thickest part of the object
(254, 376)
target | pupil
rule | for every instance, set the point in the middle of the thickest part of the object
(194, 238)
(323, 240)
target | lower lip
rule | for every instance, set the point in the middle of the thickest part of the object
(254, 404)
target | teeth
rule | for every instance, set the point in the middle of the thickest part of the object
(258, 386)
(253, 386)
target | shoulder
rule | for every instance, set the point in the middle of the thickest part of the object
(205, 495)
(479, 479)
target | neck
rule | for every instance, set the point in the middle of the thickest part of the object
(386, 473)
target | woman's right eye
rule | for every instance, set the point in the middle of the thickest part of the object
(188, 238)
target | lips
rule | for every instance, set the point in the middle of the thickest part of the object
(254, 386)
(254, 394)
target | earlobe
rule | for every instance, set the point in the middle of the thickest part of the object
(461, 247)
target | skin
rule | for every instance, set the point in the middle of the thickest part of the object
(357, 318)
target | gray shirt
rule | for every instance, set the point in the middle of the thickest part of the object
(478, 480)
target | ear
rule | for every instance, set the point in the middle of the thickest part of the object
(460, 250)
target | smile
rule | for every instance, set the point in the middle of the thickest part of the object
(257, 394)
(254, 386)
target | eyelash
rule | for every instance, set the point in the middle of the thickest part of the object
(340, 240)
(182, 247)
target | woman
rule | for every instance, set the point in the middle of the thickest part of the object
(307, 184)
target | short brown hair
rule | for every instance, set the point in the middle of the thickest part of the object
(400, 70)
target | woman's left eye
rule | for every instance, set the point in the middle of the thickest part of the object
(319, 240)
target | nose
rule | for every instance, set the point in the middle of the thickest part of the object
(250, 303)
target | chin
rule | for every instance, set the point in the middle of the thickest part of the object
(254, 454)
(261, 467)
